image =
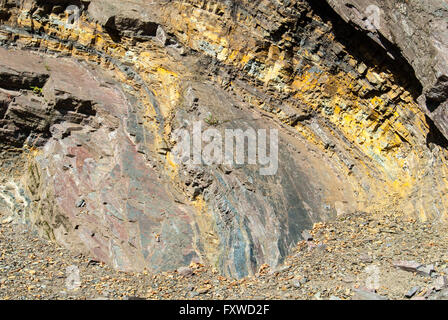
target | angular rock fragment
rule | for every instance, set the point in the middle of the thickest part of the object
(306, 235)
(365, 258)
(426, 270)
(185, 271)
(367, 295)
(440, 283)
(410, 266)
(413, 291)
(124, 19)
(418, 298)
(21, 71)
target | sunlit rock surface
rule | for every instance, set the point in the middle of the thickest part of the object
(89, 108)
(418, 30)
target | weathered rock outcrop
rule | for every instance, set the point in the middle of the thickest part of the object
(419, 30)
(91, 99)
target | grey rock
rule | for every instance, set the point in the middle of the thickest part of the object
(279, 269)
(126, 18)
(426, 270)
(441, 295)
(367, 295)
(185, 271)
(321, 247)
(296, 284)
(303, 280)
(412, 292)
(161, 36)
(410, 266)
(133, 298)
(190, 97)
(365, 258)
(348, 279)
(81, 203)
(418, 298)
(306, 235)
(440, 283)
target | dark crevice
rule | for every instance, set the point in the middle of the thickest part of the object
(277, 34)
(16, 82)
(4, 15)
(3, 108)
(112, 31)
(432, 105)
(435, 136)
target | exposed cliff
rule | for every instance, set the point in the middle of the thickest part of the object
(91, 98)
(417, 30)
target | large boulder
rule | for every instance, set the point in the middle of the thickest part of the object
(124, 18)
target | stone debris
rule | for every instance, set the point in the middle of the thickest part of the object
(426, 270)
(306, 235)
(99, 122)
(410, 266)
(365, 258)
(80, 203)
(441, 282)
(418, 298)
(412, 292)
(185, 271)
(32, 268)
(367, 295)
(7, 220)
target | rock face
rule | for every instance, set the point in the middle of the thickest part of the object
(419, 30)
(93, 95)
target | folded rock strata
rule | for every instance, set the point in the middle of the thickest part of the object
(89, 107)
(418, 30)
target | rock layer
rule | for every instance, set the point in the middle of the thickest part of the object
(419, 29)
(90, 110)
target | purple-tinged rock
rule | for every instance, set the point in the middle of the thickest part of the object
(185, 271)
(410, 266)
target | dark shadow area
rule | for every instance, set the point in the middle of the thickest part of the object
(435, 136)
(112, 31)
(113, 34)
(3, 108)
(4, 15)
(438, 94)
